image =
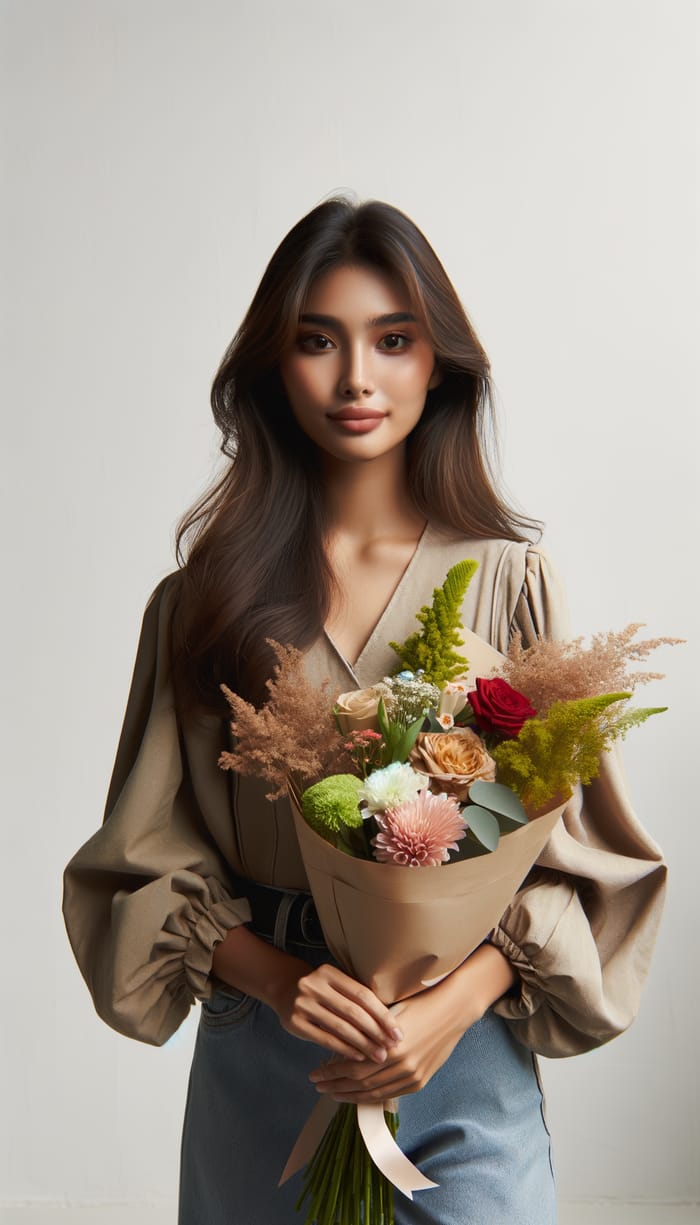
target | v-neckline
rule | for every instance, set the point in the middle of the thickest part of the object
(409, 567)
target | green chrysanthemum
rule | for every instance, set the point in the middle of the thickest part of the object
(332, 805)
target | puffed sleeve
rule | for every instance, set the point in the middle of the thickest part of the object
(581, 930)
(146, 899)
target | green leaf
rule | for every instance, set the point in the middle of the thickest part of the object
(499, 799)
(483, 824)
(634, 718)
(383, 721)
(506, 825)
(408, 739)
(469, 848)
(458, 579)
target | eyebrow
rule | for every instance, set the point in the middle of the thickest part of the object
(377, 322)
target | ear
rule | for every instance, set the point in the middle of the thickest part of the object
(436, 377)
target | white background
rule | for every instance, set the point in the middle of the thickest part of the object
(155, 152)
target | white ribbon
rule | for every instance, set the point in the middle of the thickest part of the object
(386, 1154)
(381, 1145)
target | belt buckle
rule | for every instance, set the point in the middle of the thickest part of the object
(310, 925)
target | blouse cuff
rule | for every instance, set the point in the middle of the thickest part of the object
(194, 931)
(528, 934)
(525, 996)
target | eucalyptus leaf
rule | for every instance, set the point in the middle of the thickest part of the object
(469, 848)
(505, 824)
(500, 799)
(483, 824)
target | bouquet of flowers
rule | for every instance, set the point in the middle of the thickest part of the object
(458, 767)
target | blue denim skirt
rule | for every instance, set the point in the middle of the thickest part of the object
(477, 1128)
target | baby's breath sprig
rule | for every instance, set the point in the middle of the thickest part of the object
(407, 697)
(404, 703)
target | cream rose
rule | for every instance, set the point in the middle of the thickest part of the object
(452, 760)
(357, 711)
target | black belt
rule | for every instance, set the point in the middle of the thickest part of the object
(283, 916)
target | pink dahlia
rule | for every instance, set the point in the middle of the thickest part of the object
(419, 833)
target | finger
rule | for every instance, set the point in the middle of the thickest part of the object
(345, 1076)
(323, 1028)
(365, 999)
(382, 1083)
(373, 1097)
(372, 1037)
(345, 1021)
(347, 1086)
(329, 1074)
(313, 1033)
(350, 1010)
(322, 1025)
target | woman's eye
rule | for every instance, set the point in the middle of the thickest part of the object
(315, 343)
(394, 342)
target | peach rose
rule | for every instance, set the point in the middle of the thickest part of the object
(452, 760)
(357, 710)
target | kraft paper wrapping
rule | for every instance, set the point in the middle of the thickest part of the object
(397, 929)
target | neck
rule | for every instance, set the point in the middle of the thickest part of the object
(371, 500)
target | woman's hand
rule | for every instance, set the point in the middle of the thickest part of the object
(433, 1022)
(323, 1005)
(328, 1007)
(430, 1037)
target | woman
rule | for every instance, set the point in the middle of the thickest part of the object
(352, 404)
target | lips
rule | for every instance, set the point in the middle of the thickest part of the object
(353, 413)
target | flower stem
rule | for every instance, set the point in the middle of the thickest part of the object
(341, 1182)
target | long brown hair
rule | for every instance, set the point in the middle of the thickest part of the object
(254, 543)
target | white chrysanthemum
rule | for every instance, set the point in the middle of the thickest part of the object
(393, 785)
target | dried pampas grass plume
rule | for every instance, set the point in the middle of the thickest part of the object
(549, 672)
(292, 735)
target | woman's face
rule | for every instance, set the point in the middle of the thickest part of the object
(358, 371)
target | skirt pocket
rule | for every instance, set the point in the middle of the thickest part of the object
(227, 1008)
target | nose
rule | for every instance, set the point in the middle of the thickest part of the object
(356, 378)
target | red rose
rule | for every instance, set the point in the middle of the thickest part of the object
(499, 708)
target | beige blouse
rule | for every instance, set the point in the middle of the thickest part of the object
(150, 894)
